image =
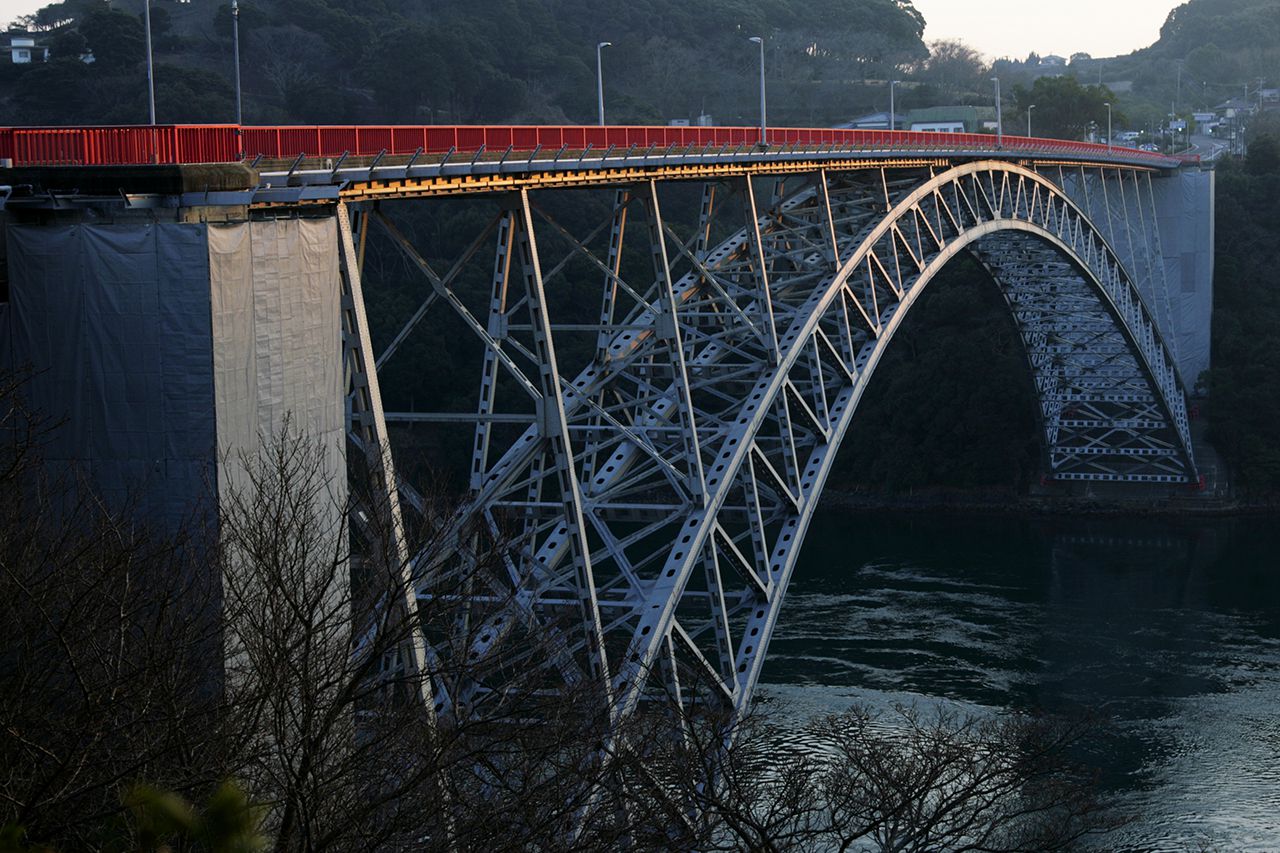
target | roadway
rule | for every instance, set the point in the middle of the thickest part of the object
(1207, 148)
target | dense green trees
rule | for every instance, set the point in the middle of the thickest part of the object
(1207, 52)
(1244, 383)
(116, 39)
(951, 403)
(1065, 109)
(486, 61)
(1241, 25)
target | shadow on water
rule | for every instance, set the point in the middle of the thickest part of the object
(1170, 629)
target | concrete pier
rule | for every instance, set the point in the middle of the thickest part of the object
(168, 339)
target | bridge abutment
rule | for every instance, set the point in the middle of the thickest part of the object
(1160, 225)
(167, 342)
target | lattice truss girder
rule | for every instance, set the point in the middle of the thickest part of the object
(649, 505)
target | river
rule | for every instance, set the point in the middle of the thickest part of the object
(1168, 628)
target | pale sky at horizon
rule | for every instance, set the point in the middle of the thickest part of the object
(998, 28)
(1015, 28)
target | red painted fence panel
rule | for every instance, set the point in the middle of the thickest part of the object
(135, 144)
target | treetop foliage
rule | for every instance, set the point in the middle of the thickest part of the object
(1244, 383)
(485, 61)
(1240, 24)
(1064, 108)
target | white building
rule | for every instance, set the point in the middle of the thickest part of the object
(24, 50)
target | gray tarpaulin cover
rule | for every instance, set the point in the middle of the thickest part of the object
(1165, 241)
(115, 321)
(1184, 208)
(164, 347)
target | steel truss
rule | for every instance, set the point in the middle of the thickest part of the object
(650, 501)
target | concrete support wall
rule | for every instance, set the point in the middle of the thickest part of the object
(165, 348)
(1161, 227)
(276, 337)
(1185, 212)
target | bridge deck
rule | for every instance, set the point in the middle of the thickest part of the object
(322, 165)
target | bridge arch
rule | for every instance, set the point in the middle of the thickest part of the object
(664, 492)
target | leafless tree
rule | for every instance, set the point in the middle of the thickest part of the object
(265, 650)
(907, 782)
(946, 781)
(104, 647)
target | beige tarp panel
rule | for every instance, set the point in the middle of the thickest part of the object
(277, 351)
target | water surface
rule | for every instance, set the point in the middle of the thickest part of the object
(1169, 628)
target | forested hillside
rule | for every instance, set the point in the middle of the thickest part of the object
(1207, 53)
(1244, 383)
(455, 62)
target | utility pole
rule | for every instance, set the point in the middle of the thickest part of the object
(1108, 106)
(999, 119)
(600, 78)
(763, 125)
(235, 47)
(893, 119)
(151, 79)
(1029, 109)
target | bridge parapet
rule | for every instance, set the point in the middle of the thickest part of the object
(137, 145)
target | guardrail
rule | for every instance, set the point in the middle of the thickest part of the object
(223, 143)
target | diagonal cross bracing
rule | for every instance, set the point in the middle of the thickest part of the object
(670, 477)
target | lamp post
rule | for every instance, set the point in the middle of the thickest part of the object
(893, 118)
(999, 117)
(763, 126)
(600, 77)
(1029, 109)
(235, 47)
(151, 79)
(1108, 106)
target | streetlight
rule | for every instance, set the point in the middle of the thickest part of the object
(999, 118)
(235, 46)
(1029, 109)
(758, 40)
(600, 78)
(893, 119)
(1108, 106)
(151, 79)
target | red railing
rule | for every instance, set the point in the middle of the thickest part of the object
(135, 145)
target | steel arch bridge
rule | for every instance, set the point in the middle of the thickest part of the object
(649, 505)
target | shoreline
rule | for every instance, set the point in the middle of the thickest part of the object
(1042, 506)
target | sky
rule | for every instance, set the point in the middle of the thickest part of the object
(998, 28)
(1014, 28)
(10, 9)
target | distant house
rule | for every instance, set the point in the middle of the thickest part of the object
(1235, 106)
(873, 121)
(23, 49)
(957, 119)
(1205, 122)
(1053, 61)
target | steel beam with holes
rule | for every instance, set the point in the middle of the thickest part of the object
(652, 500)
